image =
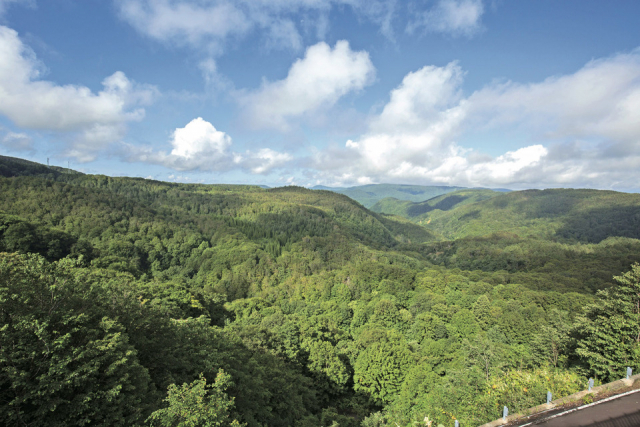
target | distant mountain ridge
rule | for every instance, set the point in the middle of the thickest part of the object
(369, 195)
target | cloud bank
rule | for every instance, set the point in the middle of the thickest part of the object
(583, 127)
(90, 121)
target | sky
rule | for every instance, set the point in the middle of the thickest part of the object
(474, 93)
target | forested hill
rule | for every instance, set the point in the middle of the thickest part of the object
(578, 237)
(587, 216)
(126, 301)
(117, 219)
(12, 166)
(417, 211)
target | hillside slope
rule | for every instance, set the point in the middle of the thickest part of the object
(13, 166)
(574, 237)
(417, 210)
(95, 212)
(588, 216)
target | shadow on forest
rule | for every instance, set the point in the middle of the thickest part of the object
(595, 225)
(445, 204)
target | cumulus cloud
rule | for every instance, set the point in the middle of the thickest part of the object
(200, 146)
(582, 128)
(197, 138)
(416, 126)
(318, 80)
(210, 23)
(454, 17)
(90, 120)
(423, 98)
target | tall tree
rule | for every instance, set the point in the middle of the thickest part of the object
(197, 404)
(608, 334)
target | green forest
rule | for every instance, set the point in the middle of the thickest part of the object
(133, 302)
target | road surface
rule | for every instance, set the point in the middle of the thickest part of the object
(619, 412)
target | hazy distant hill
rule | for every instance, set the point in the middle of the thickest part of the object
(445, 202)
(369, 195)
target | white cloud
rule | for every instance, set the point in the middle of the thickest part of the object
(418, 124)
(210, 23)
(90, 120)
(455, 17)
(200, 146)
(422, 98)
(318, 80)
(583, 130)
(198, 138)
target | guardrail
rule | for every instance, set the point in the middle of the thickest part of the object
(604, 388)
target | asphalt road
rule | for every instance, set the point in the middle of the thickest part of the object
(621, 412)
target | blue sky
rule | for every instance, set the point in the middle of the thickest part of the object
(517, 94)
